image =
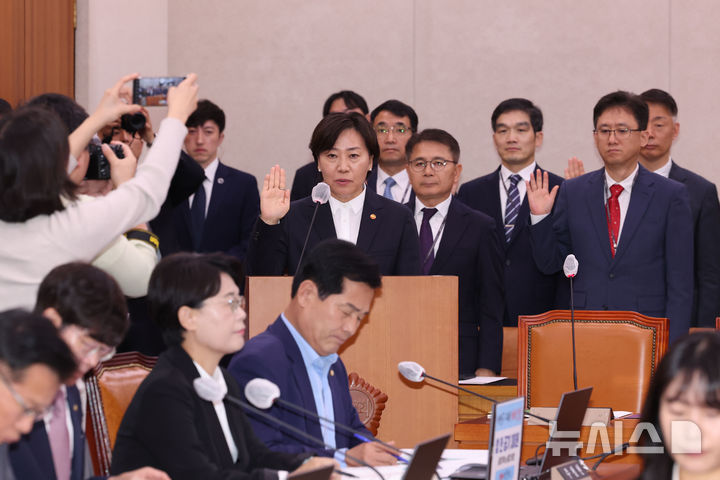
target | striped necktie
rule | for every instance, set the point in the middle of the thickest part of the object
(512, 207)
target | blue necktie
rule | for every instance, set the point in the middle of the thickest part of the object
(197, 215)
(426, 240)
(512, 207)
(389, 183)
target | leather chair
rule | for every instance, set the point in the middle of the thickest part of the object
(509, 352)
(111, 386)
(368, 401)
(617, 353)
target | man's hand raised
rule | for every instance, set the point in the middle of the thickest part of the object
(540, 198)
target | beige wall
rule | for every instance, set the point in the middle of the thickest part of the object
(270, 64)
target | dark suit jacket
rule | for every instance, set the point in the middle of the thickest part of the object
(31, 457)
(306, 177)
(169, 427)
(387, 233)
(470, 249)
(528, 291)
(372, 180)
(652, 271)
(234, 206)
(274, 355)
(706, 226)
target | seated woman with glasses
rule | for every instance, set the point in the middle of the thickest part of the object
(343, 146)
(683, 406)
(196, 302)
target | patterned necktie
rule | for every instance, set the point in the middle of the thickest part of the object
(59, 437)
(512, 206)
(389, 183)
(197, 215)
(613, 217)
(426, 240)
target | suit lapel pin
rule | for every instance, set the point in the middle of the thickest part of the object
(332, 372)
(221, 180)
(75, 407)
(373, 216)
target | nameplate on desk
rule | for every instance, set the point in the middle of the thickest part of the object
(573, 470)
(592, 415)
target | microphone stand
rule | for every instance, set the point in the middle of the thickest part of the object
(572, 328)
(312, 220)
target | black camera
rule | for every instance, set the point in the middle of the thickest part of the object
(99, 167)
(132, 123)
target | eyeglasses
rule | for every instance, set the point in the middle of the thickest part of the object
(86, 346)
(623, 132)
(398, 129)
(436, 165)
(236, 303)
(28, 411)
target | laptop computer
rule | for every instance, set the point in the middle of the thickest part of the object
(323, 473)
(425, 459)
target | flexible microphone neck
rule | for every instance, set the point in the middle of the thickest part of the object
(320, 195)
(296, 430)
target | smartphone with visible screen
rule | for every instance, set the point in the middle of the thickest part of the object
(152, 91)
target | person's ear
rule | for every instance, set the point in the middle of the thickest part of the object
(306, 293)
(187, 318)
(51, 314)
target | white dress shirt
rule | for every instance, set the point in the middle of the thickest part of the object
(207, 184)
(623, 199)
(505, 183)
(401, 190)
(436, 221)
(218, 378)
(665, 169)
(347, 216)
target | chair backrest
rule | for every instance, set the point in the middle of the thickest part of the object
(368, 401)
(617, 354)
(509, 352)
(111, 386)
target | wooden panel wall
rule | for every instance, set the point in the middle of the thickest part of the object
(37, 48)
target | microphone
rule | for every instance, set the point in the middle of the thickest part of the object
(414, 372)
(320, 195)
(209, 390)
(570, 269)
(262, 393)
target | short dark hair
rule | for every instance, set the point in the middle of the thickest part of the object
(694, 355)
(69, 111)
(28, 339)
(34, 153)
(661, 97)
(625, 100)
(206, 110)
(351, 99)
(522, 105)
(86, 296)
(5, 106)
(332, 261)
(331, 126)
(186, 279)
(434, 135)
(397, 108)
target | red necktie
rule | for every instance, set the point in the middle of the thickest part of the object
(613, 217)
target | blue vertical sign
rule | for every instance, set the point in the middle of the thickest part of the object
(506, 439)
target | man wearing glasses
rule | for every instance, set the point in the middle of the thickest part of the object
(394, 122)
(457, 240)
(630, 230)
(517, 126)
(88, 309)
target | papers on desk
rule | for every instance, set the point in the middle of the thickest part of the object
(620, 413)
(481, 380)
(452, 459)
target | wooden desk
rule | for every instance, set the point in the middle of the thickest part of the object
(476, 433)
(471, 407)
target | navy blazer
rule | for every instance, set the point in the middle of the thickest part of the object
(274, 355)
(652, 271)
(470, 249)
(31, 457)
(528, 291)
(306, 177)
(234, 206)
(387, 234)
(706, 227)
(372, 180)
(169, 427)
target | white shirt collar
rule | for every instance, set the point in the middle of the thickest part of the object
(524, 173)
(355, 205)
(665, 169)
(401, 178)
(212, 169)
(442, 207)
(627, 183)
